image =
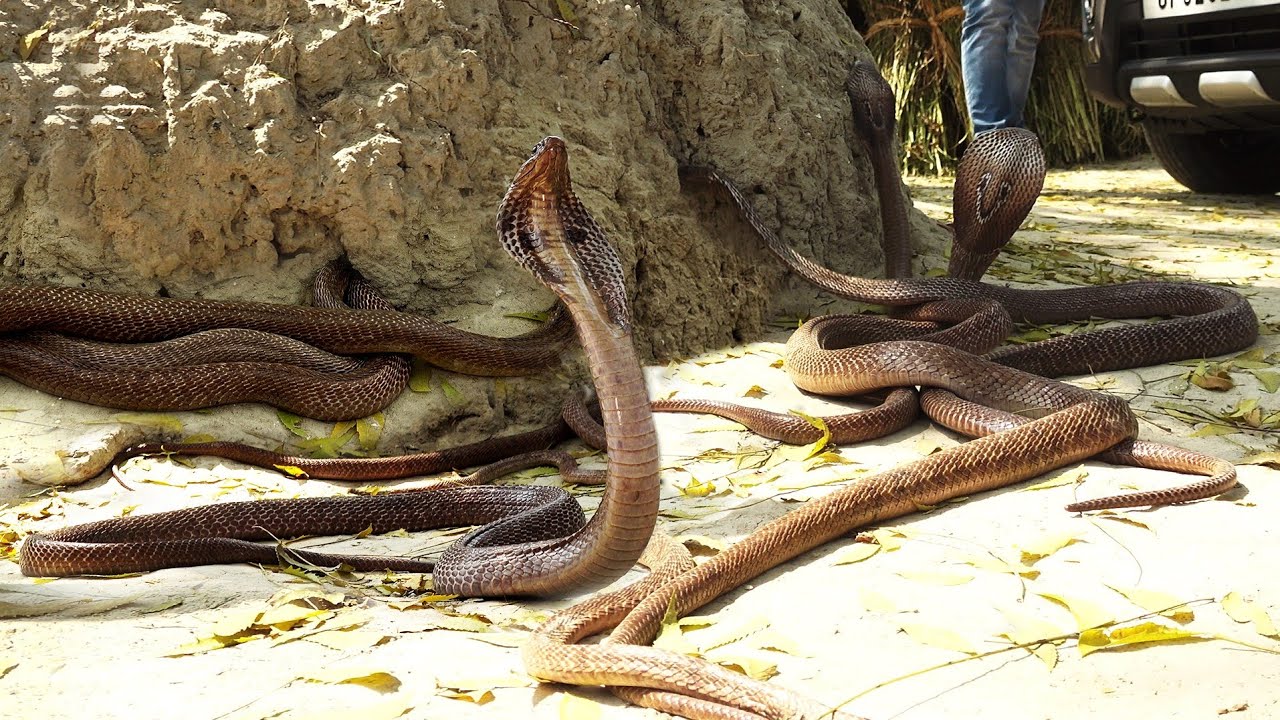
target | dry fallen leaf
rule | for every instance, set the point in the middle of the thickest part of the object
(373, 678)
(1101, 638)
(856, 553)
(938, 637)
(576, 707)
(1166, 604)
(479, 690)
(1088, 614)
(1243, 611)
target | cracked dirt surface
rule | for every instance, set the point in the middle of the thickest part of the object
(895, 631)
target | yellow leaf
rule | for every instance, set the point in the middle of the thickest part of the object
(697, 488)
(1242, 611)
(462, 623)
(1270, 459)
(369, 430)
(234, 622)
(576, 707)
(1001, 565)
(821, 443)
(856, 553)
(479, 690)
(1047, 545)
(348, 639)
(889, 538)
(732, 634)
(291, 470)
(364, 675)
(935, 578)
(1270, 380)
(292, 423)
(286, 616)
(938, 637)
(1213, 380)
(450, 392)
(753, 667)
(28, 43)
(755, 391)
(776, 641)
(1096, 639)
(1157, 602)
(830, 457)
(1087, 613)
(420, 378)
(671, 634)
(1212, 430)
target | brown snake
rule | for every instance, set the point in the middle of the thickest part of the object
(541, 224)
(1069, 424)
(244, 359)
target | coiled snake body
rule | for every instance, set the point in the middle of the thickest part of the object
(543, 550)
(548, 231)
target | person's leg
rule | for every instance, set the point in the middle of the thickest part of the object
(983, 45)
(1024, 35)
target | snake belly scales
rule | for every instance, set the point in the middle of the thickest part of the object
(550, 233)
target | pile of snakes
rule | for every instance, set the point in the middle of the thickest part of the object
(939, 350)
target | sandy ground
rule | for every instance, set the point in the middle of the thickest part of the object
(921, 628)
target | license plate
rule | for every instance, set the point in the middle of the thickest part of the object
(1156, 9)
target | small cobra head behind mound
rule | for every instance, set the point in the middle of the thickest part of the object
(997, 182)
(872, 102)
(546, 229)
(873, 105)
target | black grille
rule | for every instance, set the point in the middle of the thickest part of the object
(1191, 37)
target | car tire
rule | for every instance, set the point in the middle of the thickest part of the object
(1225, 161)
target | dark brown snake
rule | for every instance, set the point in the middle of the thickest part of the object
(541, 224)
(1057, 424)
(244, 359)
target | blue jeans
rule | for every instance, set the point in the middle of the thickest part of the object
(997, 53)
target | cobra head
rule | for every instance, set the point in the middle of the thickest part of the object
(546, 229)
(873, 104)
(997, 182)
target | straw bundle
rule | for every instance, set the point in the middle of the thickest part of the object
(917, 44)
